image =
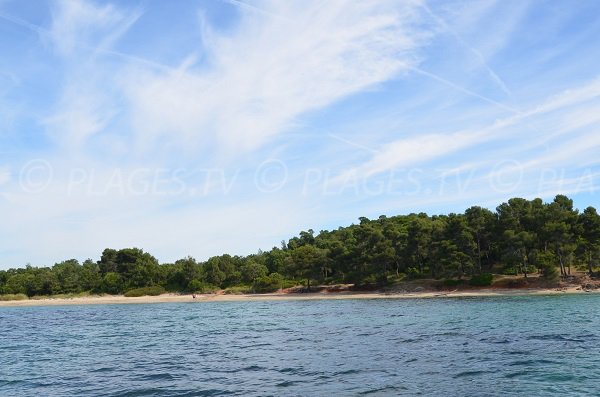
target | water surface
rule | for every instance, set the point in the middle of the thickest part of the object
(532, 346)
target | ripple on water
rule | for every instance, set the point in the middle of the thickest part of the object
(488, 346)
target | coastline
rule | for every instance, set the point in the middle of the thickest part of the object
(176, 298)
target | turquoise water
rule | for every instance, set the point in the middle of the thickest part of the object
(521, 346)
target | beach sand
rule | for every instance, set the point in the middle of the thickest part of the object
(175, 298)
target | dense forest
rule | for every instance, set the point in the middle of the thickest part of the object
(521, 237)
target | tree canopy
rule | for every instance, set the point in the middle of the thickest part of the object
(520, 237)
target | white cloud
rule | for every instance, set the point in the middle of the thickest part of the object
(410, 152)
(279, 66)
(82, 24)
(271, 70)
(81, 114)
(424, 148)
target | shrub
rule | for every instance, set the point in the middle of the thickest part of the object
(482, 280)
(509, 271)
(513, 271)
(413, 272)
(289, 284)
(267, 284)
(450, 282)
(200, 287)
(145, 291)
(550, 273)
(272, 283)
(13, 297)
(63, 296)
(547, 264)
(238, 290)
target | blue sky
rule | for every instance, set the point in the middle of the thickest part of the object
(211, 126)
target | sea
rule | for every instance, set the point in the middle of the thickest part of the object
(485, 346)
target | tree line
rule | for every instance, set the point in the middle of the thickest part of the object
(521, 237)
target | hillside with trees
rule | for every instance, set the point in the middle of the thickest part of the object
(522, 237)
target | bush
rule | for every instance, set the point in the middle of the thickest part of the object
(13, 297)
(288, 284)
(482, 280)
(272, 283)
(413, 273)
(62, 296)
(200, 287)
(238, 290)
(509, 271)
(547, 264)
(145, 291)
(450, 282)
(550, 273)
(513, 271)
(267, 284)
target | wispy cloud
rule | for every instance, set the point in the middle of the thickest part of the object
(113, 114)
(83, 24)
(558, 153)
(272, 70)
(475, 52)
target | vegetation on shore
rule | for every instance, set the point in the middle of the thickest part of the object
(520, 238)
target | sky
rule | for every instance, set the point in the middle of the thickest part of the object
(225, 126)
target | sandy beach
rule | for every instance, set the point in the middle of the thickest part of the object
(176, 298)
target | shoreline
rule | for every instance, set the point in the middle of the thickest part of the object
(200, 298)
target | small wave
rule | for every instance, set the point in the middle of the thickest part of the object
(102, 370)
(495, 340)
(558, 377)
(556, 337)
(158, 376)
(163, 392)
(518, 352)
(287, 383)
(244, 347)
(347, 372)
(385, 389)
(252, 368)
(288, 370)
(465, 374)
(531, 362)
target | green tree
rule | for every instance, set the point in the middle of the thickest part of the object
(187, 269)
(89, 276)
(307, 261)
(560, 231)
(212, 273)
(481, 222)
(589, 240)
(252, 270)
(68, 275)
(112, 283)
(108, 261)
(420, 233)
(546, 261)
